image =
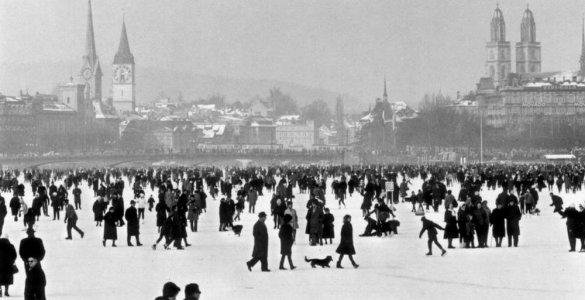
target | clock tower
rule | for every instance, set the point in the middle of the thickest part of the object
(123, 84)
(91, 72)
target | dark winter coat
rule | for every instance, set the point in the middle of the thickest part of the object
(132, 222)
(110, 230)
(7, 259)
(35, 279)
(161, 213)
(513, 216)
(497, 219)
(98, 212)
(286, 239)
(346, 242)
(14, 205)
(451, 230)
(328, 226)
(430, 227)
(260, 233)
(317, 221)
(31, 247)
(461, 222)
(574, 222)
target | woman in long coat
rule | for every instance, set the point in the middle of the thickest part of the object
(286, 241)
(328, 226)
(346, 243)
(461, 223)
(7, 259)
(98, 212)
(451, 230)
(110, 230)
(316, 222)
(497, 220)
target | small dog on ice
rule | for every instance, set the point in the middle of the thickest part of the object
(237, 229)
(319, 262)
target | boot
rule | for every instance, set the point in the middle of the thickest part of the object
(339, 265)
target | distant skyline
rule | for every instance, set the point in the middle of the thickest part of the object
(348, 47)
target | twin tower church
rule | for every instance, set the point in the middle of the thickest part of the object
(123, 83)
(499, 59)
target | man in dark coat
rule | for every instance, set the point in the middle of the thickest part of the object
(133, 224)
(71, 220)
(513, 216)
(430, 227)
(260, 252)
(3, 213)
(15, 206)
(497, 220)
(77, 197)
(31, 246)
(557, 202)
(286, 241)
(574, 226)
(34, 286)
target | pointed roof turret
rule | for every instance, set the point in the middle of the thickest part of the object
(124, 56)
(90, 52)
(498, 26)
(528, 27)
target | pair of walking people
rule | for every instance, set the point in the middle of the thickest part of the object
(286, 235)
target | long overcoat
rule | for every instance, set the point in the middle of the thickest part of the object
(7, 259)
(346, 242)
(286, 239)
(260, 233)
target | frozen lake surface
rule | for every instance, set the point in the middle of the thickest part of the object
(390, 267)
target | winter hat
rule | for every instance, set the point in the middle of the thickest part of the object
(287, 218)
(191, 289)
(170, 289)
(261, 214)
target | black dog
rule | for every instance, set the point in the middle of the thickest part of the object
(237, 229)
(319, 262)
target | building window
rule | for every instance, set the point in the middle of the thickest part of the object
(67, 100)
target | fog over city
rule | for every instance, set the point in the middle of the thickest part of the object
(345, 47)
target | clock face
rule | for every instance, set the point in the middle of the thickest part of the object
(86, 73)
(122, 74)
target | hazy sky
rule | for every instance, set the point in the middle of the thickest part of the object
(344, 46)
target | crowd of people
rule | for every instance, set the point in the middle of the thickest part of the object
(179, 196)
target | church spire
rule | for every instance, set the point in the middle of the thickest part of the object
(528, 27)
(582, 60)
(498, 26)
(385, 91)
(124, 56)
(90, 51)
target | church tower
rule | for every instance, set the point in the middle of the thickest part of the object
(528, 49)
(91, 72)
(123, 85)
(498, 63)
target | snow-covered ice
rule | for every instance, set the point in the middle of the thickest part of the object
(390, 267)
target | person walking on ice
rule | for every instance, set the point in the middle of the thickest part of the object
(430, 227)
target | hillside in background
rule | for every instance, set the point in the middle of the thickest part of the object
(152, 83)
